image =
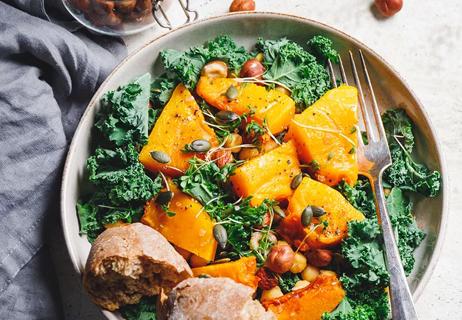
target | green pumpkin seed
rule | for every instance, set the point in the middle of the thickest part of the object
(296, 181)
(352, 150)
(307, 215)
(232, 93)
(226, 116)
(220, 234)
(279, 211)
(204, 276)
(160, 156)
(164, 197)
(200, 145)
(318, 211)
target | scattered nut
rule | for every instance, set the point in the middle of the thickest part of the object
(388, 8)
(280, 258)
(252, 69)
(242, 5)
(215, 69)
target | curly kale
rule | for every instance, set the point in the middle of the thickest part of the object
(287, 281)
(288, 63)
(123, 118)
(405, 172)
(322, 47)
(360, 196)
(187, 65)
(143, 310)
(161, 90)
(368, 306)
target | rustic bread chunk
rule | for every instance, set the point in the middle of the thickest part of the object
(128, 262)
(214, 299)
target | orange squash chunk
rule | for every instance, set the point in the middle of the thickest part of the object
(190, 228)
(180, 123)
(267, 176)
(338, 213)
(326, 133)
(242, 271)
(272, 105)
(309, 303)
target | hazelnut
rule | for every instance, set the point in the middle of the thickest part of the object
(242, 5)
(222, 157)
(319, 257)
(215, 69)
(388, 8)
(280, 258)
(252, 69)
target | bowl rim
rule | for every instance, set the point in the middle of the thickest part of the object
(441, 232)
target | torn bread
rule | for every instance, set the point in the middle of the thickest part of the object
(131, 261)
(214, 299)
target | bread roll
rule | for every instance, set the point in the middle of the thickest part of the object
(131, 261)
(214, 299)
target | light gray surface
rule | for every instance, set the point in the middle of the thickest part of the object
(423, 42)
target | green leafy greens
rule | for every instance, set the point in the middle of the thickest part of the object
(287, 281)
(405, 172)
(289, 64)
(121, 183)
(187, 65)
(143, 310)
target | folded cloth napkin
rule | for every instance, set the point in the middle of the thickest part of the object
(47, 75)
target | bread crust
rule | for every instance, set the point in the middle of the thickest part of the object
(214, 299)
(130, 261)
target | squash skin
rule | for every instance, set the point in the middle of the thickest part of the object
(338, 213)
(335, 110)
(190, 229)
(242, 271)
(180, 123)
(309, 303)
(277, 108)
(267, 176)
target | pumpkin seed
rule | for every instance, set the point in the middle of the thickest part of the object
(220, 234)
(232, 93)
(307, 215)
(296, 181)
(330, 155)
(223, 260)
(203, 275)
(164, 197)
(160, 156)
(353, 129)
(352, 150)
(200, 145)
(226, 116)
(318, 211)
(279, 211)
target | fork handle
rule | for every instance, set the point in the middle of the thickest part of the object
(402, 306)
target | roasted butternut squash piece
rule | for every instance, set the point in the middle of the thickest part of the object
(267, 176)
(325, 135)
(180, 123)
(190, 228)
(325, 231)
(308, 303)
(242, 271)
(272, 105)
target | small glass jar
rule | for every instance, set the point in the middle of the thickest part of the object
(115, 18)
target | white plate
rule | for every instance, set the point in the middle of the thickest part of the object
(245, 28)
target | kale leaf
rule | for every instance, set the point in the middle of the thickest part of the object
(287, 281)
(407, 234)
(162, 89)
(123, 118)
(90, 224)
(121, 176)
(143, 310)
(187, 65)
(322, 47)
(360, 196)
(405, 172)
(288, 63)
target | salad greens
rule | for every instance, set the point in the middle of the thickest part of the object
(287, 281)
(187, 65)
(121, 183)
(143, 310)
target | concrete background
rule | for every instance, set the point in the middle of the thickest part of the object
(424, 44)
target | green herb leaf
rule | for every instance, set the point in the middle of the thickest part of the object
(322, 47)
(287, 281)
(143, 310)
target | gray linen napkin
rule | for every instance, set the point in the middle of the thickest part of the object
(47, 75)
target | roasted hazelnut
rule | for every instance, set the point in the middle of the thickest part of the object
(215, 69)
(319, 257)
(242, 5)
(388, 8)
(283, 90)
(252, 69)
(280, 258)
(222, 157)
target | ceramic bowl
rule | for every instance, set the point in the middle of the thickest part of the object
(245, 28)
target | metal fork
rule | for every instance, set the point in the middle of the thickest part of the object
(373, 158)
